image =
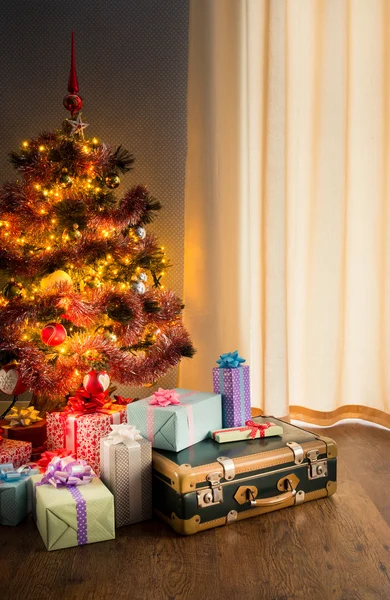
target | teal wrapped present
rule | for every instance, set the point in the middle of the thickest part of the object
(176, 419)
(15, 502)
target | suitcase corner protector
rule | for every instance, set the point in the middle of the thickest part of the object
(331, 487)
(181, 526)
(331, 447)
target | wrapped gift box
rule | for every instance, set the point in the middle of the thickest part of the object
(81, 433)
(73, 515)
(126, 469)
(257, 428)
(34, 433)
(177, 426)
(15, 503)
(234, 386)
(17, 453)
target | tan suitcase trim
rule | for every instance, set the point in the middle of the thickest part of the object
(193, 525)
(184, 478)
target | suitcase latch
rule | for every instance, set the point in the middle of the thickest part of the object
(317, 468)
(214, 495)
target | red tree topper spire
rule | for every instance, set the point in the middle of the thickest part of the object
(73, 84)
(72, 101)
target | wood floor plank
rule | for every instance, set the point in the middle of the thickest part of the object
(332, 549)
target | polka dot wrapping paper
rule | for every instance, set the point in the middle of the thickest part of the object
(234, 387)
(73, 515)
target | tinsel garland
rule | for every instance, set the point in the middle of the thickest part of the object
(65, 216)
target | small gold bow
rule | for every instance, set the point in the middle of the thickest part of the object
(22, 416)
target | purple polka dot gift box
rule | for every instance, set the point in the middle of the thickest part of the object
(232, 380)
(72, 506)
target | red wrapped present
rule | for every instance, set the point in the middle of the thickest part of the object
(80, 427)
(34, 433)
(17, 453)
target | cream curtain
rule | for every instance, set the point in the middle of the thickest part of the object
(287, 233)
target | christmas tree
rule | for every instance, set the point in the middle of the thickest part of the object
(84, 293)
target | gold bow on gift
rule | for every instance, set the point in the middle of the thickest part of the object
(22, 416)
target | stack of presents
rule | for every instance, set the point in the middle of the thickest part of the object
(195, 459)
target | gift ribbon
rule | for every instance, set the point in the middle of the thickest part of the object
(257, 427)
(123, 401)
(164, 397)
(250, 426)
(130, 436)
(190, 415)
(85, 402)
(22, 416)
(242, 391)
(230, 360)
(70, 425)
(48, 455)
(9, 474)
(70, 473)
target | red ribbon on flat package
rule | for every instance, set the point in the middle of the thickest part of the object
(257, 427)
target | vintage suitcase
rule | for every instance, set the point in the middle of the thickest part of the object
(211, 484)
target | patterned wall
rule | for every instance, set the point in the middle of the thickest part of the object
(132, 71)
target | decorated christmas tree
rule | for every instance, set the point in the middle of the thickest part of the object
(85, 295)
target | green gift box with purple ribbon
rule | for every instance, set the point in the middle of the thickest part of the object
(232, 380)
(72, 506)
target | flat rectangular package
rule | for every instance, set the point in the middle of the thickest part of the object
(127, 472)
(73, 515)
(176, 427)
(211, 484)
(234, 434)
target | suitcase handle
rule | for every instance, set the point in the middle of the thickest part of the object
(274, 500)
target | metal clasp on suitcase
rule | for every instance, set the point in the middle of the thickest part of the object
(210, 497)
(317, 468)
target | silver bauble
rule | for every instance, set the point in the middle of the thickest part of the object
(140, 232)
(138, 286)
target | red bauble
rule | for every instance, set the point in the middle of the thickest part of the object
(73, 103)
(53, 334)
(96, 382)
(10, 381)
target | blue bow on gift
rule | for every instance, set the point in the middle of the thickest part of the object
(230, 360)
(9, 474)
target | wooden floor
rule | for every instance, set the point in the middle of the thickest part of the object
(336, 548)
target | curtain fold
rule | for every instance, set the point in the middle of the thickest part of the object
(287, 187)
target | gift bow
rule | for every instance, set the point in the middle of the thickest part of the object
(22, 416)
(84, 402)
(8, 473)
(128, 434)
(48, 455)
(122, 401)
(230, 360)
(67, 471)
(165, 397)
(257, 427)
